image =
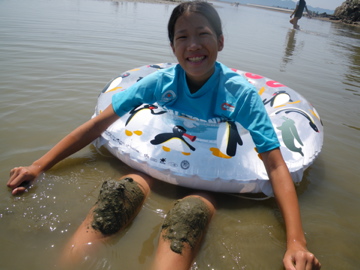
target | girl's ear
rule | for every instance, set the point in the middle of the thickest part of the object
(220, 43)
(172, 47)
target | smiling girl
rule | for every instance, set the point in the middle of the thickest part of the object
(198, 84)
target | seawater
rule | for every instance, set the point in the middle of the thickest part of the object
(56, 56)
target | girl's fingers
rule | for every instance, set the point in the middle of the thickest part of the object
(18, 190)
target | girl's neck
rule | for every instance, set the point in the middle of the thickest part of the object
(193, 85)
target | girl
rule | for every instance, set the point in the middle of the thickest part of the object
(198, 84)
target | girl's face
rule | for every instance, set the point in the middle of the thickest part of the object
(196, 46)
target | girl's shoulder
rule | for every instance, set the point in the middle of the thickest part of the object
(232, 79)
(170, 71)
(230, 73)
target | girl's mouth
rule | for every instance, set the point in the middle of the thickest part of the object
(196, 59)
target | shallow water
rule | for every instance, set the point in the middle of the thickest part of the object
(56, 56)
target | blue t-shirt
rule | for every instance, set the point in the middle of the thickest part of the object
(226, 96)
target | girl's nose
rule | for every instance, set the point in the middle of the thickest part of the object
(194, 44)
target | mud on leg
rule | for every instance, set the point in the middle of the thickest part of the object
(117, 204)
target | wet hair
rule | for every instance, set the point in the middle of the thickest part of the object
(200, 7)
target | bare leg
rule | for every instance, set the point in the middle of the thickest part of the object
(294, 22)
(117, 205)
(182, 232)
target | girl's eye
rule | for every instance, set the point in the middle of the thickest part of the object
(204, 33)
(180, 37)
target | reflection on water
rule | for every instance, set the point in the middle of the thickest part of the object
(290, 45)
(290, 48)
(56, 56)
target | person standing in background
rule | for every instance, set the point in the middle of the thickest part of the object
(298, 12)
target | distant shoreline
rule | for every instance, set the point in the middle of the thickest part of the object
(270, 8)
(290, 11)
(326, 19)
(172, 2)
(176, 2)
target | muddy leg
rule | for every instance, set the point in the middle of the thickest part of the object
(117, 205)
(182, 232)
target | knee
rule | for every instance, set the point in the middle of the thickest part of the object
(207, 198)
(186, 222)
(144, 181)
(117, 205)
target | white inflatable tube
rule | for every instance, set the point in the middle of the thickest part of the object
(146, 139)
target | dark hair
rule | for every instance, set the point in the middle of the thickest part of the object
(201, 7)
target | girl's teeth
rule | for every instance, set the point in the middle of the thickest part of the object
(196, 59)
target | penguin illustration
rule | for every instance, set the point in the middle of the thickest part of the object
(173, 139)
(114, 84)
(227, 140)
(315, 113)
(303, 113)
(155, 66)
(125, 74)
(135, 110)
(279, 98)
(138, 112)
(290, 134)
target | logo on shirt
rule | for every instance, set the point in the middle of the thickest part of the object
(169, 95)
(227, 107)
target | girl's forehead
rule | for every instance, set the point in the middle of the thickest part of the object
(191, 19)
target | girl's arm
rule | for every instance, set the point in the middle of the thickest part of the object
(73, 142)
(297, 256)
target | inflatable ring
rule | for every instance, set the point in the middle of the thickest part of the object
(214, 157)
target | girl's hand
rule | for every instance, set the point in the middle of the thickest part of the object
(22, 177)
(299, 258)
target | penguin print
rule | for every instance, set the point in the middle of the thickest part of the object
(150, 107)
(155, 66)
(279, 98)
(174, 140)
(138, 112)
(114, 84)
(290, 135)
(303, 113)
(228, 138)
